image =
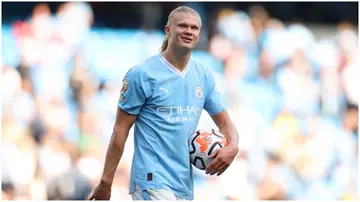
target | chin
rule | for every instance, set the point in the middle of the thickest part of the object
(186, 46)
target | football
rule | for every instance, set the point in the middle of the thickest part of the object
(202, 143)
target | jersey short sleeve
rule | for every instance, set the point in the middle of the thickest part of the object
(213, 103)
(134, 91)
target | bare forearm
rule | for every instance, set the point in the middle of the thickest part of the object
(229, 131)
(226, 127)
(113, 154)
(224, 156)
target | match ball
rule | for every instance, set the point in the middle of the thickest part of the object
(203, 143)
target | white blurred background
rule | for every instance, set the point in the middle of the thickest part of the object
(290, 87)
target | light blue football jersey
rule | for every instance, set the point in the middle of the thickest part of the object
(168, 104)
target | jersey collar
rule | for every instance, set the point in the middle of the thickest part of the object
(174, 69)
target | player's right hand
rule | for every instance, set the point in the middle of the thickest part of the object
(101, 192)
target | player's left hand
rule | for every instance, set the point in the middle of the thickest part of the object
(223, 158)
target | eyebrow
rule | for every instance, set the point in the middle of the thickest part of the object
(193, 25)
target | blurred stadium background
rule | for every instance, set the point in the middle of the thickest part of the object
(287, 71)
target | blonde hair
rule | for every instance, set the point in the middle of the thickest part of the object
(180, 9)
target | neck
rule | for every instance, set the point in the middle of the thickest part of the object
(178, 58)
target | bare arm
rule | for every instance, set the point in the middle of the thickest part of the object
(224, 156)
(123, 123)
(226, 127)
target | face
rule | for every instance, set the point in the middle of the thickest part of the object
(183, 30)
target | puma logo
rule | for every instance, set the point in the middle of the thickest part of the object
(163, 89)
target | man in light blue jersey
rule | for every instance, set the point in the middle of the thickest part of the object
(164, 97)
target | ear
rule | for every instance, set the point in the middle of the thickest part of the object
(167, 30)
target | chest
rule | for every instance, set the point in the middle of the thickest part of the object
(181, 93)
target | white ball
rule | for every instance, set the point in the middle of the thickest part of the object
(203, 143)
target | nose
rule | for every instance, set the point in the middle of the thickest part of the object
(188, 32)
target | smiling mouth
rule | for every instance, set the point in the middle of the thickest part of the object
(187, 40)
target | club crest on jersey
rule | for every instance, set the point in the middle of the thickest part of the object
(199, 92)
(125, 86)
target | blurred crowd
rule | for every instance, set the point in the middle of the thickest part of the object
(291, 94)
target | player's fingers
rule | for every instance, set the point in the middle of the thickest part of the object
(212, 170)
(214, 162)
(222, 170)
(93, 196)
(211, 166)
(219, 167)
(213, 154)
